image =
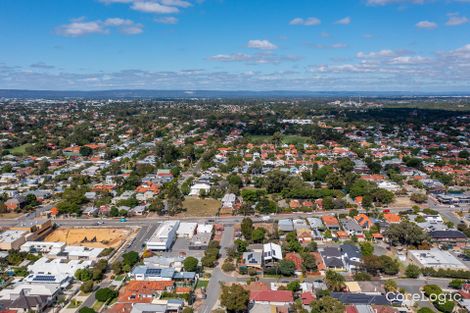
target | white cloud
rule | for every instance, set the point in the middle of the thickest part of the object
(386, 2)
(409, 60)
(115, 1)
(338, 45)
(426, 25)
(455, 20)
(235, 57)
(176, 3)
(81, 27)
(344, 21)
(167, 20)
(309, 21)
(254, 59)
(261, 44)
(376, 54)
(153, 7)
(115, 21)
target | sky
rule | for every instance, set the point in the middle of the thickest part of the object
(315, 45)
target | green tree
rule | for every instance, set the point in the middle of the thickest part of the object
(190, 264)
(247, 228)
(258, 234)
(412, 271)
(367, 248)
(86, 151)
(234, 298)
(87, 286)
(286, 267)
(105, 294)
(293, 286)
(327, 305)
(390, 285)
(405, 233)
(456, 283)
(334, 281)
(130, 258)
(86, 309)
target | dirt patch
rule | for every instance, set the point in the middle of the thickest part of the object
(200, 207)
(402, 202)
(90, 237)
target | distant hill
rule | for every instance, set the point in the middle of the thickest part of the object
(172, 94)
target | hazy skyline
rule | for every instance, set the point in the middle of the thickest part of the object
(409, 45)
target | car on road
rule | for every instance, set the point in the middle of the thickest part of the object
(123, 220)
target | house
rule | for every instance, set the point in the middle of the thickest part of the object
(16, 203)
(200, 241)
(197, 188)
(285, 225)
(164, 237)
(165, 306)
(297, 260)
(331, 222)
(143, 291)
(351, 227)
(25, 298)
(360, 298)
(449, 237)
(304, 235)
(273, 297)
(252, 259)
(164, 176)
(229, 200)
(392, 218)
(364, 221)
(352, 256)
(271, 252)
(333, 258)
(150, 273)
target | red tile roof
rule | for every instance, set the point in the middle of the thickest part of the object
(271, 296)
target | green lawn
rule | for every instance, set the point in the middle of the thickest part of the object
(20, 150)
(202, 283)
(74, 304)
(120, 277)
(97, 305)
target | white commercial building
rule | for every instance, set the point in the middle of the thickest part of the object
(42, 247)
(186, 230)
(164, 236)
(205, 228)
(436, 258)
(12, 239)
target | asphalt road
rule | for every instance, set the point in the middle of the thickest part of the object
(218, 276)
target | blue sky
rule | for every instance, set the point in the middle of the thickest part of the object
(413, 45)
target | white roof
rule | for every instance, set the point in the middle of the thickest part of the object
(11, 235)
(186, 228)
(272, 250)
(58, 266)
(437, 258)
(204, 228)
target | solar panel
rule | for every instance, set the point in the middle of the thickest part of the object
(153, 271)
(44, 278)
